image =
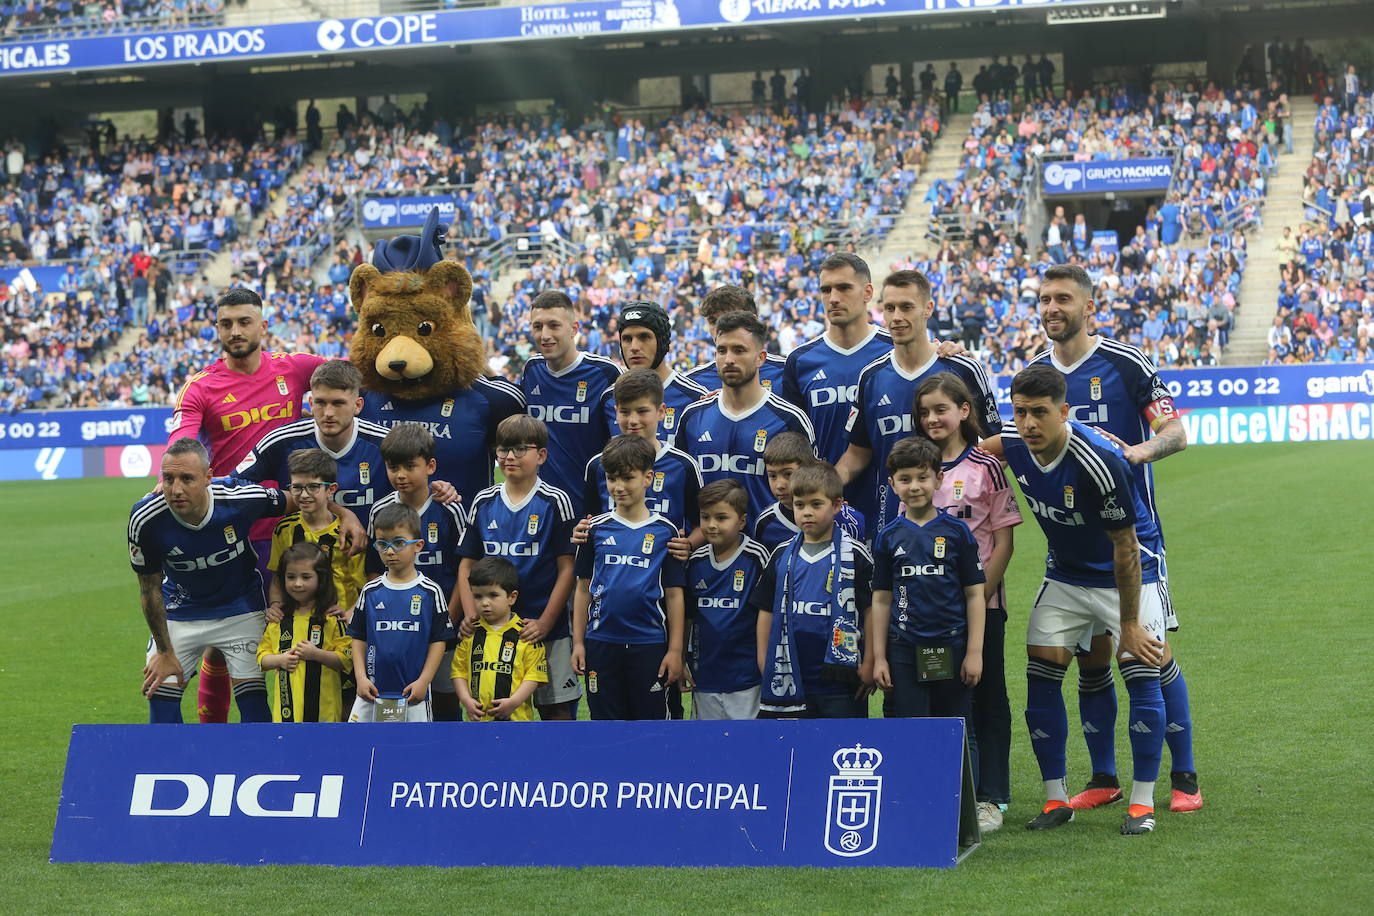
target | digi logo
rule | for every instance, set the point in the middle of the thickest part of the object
(223, 799)
(239, 419)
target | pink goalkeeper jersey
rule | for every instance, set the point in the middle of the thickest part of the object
(975, 490)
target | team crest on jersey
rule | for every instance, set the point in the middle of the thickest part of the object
(658, 481)
(648, 545)
(1068, 497)
(433, 533)
(281, 385)
(508, 652)
(1095, 388)
(316, 635)
(364, 472)
(767, 384)
(230, 535)
(739, 580)
(532, 527)
(958, 489)
(760, 440)
(415, 605)
(669, 417)
(581, 392)
(591, 682)
(939, 548)
(446, 410)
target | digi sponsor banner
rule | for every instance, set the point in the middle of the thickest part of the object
(130, 426)
(883, 792)
(389, 212)
(1101, 176)
(455, 27)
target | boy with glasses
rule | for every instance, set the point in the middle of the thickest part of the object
(314, 480)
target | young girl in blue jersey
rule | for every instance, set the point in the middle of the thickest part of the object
(309, 648)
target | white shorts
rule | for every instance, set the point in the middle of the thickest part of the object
(442, 682)
(237, 637)
(366, 711)
(738, 704)
(1067, 616)
(1170, 618)
(563, 685)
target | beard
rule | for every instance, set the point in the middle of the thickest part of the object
(240, 350)
(745, 378)
(1070, 330)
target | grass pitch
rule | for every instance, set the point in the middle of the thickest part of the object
(1269, 556)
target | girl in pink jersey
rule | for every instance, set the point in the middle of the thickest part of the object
(975, 490)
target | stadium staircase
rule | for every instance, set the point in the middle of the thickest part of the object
(1249, 342)
(908, 236)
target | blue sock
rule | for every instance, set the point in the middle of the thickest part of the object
(251, 699)
(1046, 716)
(164, 706)
(1146, 719)
(1178, 731)
(1097, 710)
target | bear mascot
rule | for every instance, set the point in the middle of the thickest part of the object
(423, 362)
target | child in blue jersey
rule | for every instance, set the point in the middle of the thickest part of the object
(408, 451)
(528, 522)
(813, 601)
(928, 605)
(720, 577)
(400, 626)
(628, 609)
(784, 455)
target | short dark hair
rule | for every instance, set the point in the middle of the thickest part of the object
(625, 455)
(638, 384)
(727, 490)
(724, 299)
(239, 295)
(748, 321)
(496, 571)
(522, 429)
(337, 375)
(914, 452)
(406, 442)
(909, 278)
(188, 446)
(552, 299)
(788, 448)
(1040, 380)
(1070, 272)
(842, 259)
(816, 477)
(313, 462)
(397, 517)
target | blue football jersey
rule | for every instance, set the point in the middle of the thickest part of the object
(362, 473)
(673, 494)
(1115, 387)
(209, 570)
(463, 424)
(770, 374)
(630, 571)
(927, 567)
(823, 379)
(809, 587)
(1084, 492)
(441, 528)
(731, 445)
(569, 403)
(723, 646)
(678, 392)
(399, 621)
(881, 417)
(775, 525)
(532, 533)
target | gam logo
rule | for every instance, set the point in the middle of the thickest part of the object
(224, 799)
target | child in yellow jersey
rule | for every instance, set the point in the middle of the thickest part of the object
(308, 648)
(494, 673)
(314, 478)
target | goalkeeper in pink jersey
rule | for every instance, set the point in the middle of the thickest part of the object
(230, 405)
(975, 490)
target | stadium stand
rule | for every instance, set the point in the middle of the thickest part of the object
(52, 18)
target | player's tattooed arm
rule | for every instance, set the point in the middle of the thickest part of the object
(1134, 640)
(1170, 438)
(164, 663)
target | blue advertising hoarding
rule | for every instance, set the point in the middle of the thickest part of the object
(389, 212)
(81, 428)
(1099, 176)
(454, 27)
(883, 792)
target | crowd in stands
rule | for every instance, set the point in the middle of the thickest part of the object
(1325, 308)
(48, 18)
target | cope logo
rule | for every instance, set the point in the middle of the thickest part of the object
(188, 794)
(330, 35)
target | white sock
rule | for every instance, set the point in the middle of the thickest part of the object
(1143, 793)
(1055, 790)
